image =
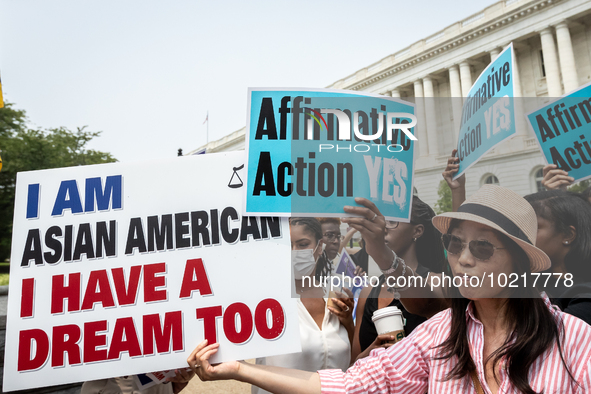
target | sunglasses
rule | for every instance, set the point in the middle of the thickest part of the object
(481, 250)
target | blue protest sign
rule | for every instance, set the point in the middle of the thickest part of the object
(311, 152)
(488, 115)
(563, 131)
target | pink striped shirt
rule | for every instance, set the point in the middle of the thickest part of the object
(408, 366)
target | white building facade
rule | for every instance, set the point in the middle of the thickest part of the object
(552, 43)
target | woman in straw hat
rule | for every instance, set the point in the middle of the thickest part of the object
(564, 234)
(493, 339)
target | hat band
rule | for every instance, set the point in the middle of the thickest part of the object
(497, 218)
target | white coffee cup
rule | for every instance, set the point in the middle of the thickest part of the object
(389, 320)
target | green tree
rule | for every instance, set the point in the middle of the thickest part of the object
(25, 149)
(444, 203)
(580, 187)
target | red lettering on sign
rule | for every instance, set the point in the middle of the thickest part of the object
(195, 278)
(127, 295)
(277, 319)
(98, 290)
(61, 292)
(124, 339)
(163, 335)
(65, 341)
(209, 315)
(152, 281)
(26, 360)
(92, 341)
(243, 312)
(27, 297)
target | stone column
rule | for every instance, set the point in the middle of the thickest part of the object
(494, 53)
(456, 94)
(466, 78)
(551, 63)
(520, 123)
(516, 79)
(567, 57)
(431, 117)
(421, 126)
(395, 93)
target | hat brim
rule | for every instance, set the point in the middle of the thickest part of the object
(538, 260)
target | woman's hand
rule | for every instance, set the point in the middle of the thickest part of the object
(458, 187)
(453, 165)
(343, 306)
(181, 379)
(384, 340)
(359, 271)
(555, 178)
(372, 226)
(199, 363)
(343, 309)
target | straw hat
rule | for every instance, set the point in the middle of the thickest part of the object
(506, 212)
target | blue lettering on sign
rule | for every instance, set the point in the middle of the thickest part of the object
(33, 201)
(94, 191)
(68, 196)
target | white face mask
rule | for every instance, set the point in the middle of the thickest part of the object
(303, 262)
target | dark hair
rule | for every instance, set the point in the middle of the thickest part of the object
(564, 209)
(534, 329)
(429, 247)
(311, 226)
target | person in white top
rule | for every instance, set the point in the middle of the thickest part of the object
(325, 332)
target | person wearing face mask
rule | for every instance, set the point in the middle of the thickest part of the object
(325, 332)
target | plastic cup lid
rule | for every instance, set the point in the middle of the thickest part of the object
(387, 311)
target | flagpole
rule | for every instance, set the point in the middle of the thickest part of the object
(208, 127)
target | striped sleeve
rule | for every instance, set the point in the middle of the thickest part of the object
(577, 349)
(402, 368)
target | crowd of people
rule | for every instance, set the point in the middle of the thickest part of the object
(530, 338)
(488, 339)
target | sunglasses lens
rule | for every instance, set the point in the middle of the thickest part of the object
(452, 244)
(482, 250)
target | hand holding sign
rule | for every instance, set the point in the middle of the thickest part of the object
(372, 226)
(453, 165)
(199, 362)
(555, 178)
(458, 185)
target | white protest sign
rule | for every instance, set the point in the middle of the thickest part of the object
(124, 268)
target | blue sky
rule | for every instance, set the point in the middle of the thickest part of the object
(146, 72)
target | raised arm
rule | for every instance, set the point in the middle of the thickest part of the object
(418, 300)
(274, 379)
(458, 187)
(346, 239)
